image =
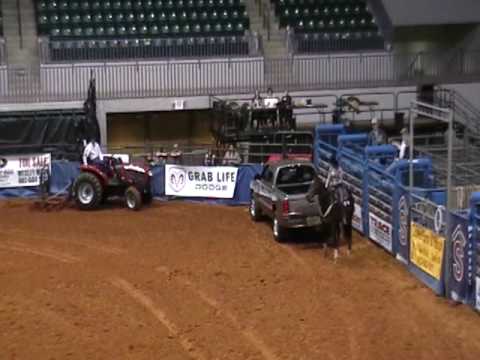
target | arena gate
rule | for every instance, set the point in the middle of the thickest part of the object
(441, 248)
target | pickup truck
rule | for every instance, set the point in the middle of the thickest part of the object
(279, 193)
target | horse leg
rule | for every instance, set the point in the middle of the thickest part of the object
(336, 239)
(348, 234)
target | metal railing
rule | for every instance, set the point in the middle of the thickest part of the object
(65, 82)
(306, 43)
(250, 152)
(111, 49)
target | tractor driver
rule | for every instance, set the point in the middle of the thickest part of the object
(92, 154)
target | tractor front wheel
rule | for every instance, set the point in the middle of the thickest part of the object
(133, 198)
(88, 191)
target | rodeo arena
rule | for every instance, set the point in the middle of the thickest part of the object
(239, 179)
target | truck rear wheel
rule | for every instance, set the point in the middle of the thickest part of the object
(133, 198)
(280, 234)
(88, 191)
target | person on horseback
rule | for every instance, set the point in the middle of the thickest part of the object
(335, 175)
(334, 203)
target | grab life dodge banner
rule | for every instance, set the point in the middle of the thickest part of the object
(22, 170)
(200, 181)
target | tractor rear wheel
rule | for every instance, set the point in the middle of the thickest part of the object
(133, 198)
(88, 191)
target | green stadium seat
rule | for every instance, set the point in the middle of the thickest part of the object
(119, 18)
(127, 5)
(43, 20)
(132, 30)
(54, 19)
(162, 17)
(85, 5)
(130, 17)
(151, 17)
(89, 31)
(121, 30)
(42, 6)
(99, 31)
(117, 5)
(63, 5)
(148, 4)
(98, 18)
(186, 29)
(183, 17)
(172, 17)
(240, 27)
(76, 19)
(96, 6)
(110, 31)
(108, 18)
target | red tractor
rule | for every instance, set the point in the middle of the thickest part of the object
(96, 183)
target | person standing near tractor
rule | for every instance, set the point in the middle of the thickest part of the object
(92, 154)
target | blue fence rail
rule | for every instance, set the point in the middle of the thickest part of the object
(441, 248)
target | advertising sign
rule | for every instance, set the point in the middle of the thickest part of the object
(426, 250)
(22, 170)
(380, 231)
(477, 293)
(357, 220)
(200, 181)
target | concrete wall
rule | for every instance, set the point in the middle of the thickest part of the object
(428, 12)
(186, 127)
(471, 92)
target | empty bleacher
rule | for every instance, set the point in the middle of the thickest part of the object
(329, 25)
(120, 29)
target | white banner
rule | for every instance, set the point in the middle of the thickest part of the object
(22, 170)
(200, 181)
(357, 220)
(380, 231)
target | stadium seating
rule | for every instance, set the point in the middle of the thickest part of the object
(329, 25)
(148, 28)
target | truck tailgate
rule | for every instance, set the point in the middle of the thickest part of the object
(298, 204)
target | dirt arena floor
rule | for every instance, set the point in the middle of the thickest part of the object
(190, 281)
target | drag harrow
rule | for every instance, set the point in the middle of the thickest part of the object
(51, 202)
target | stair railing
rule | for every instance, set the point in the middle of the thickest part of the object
(464, 111)
(19, 21)
(264, 10)
(3, 51)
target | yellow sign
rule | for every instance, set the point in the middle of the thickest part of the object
(426, 250)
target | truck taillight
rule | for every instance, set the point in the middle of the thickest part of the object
(285, 207)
